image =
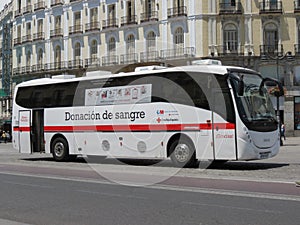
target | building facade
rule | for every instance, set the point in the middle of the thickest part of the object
(72, 36)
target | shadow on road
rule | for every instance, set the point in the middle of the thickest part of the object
(230, 165)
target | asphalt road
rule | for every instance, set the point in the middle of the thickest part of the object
(36, 190)
(34, 200)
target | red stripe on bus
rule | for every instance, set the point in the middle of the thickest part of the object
(140, 127)
(25, 129)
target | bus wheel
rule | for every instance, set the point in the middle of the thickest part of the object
(60, 149)
(183, 153)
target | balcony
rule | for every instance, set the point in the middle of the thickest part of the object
(177, 11)
(26, 69)
(94, 26)
(77, 29)
(150, 56)
(110, 23)
(93, 62)
(178, 53)
(230, 9)
(39, 6)
(231, 50)
(56, 33)
(40, 36)
(270, 7)
(38, 67)
(149, 16)
(56, 2)
(56, 66)
(75, 64)
(17, 71)
(18, 13)
(27, 38)
(270, 50)
(129, 58)
(128, 20)
(17, 41)
(27, 9)
(110, 60)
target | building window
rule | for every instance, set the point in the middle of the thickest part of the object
(57, 22)
(77, 51)
(271, 38)
(28, 59)
(179, 38)
(230, 38)
(94, 49)
(297, 112)
(112, 46)
(130, 44)
(40, 57)
(57, 54)
(94, 15)
(40, 26)
(151, 42)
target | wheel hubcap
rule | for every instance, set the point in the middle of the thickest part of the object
(59, 149)
(182, 152)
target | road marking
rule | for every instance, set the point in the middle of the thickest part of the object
(112, 195)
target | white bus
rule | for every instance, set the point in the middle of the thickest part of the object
(189, 113)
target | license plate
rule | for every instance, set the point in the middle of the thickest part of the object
(264, 155)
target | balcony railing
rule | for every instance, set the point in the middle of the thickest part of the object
(178, 53)
(269, 7)
(56, 2)
(129, 58)
(75, 64)
(39, 36)
(17, 41)
(128, 20)
(93, 26)
(17, 71)
(271, 50)
(149, 16)
(58, 32)
(110, 23)
(177, 11)
(110, 60)
(230, 50)
(26, 69)
(77, 29)
(149, 56)
(27, 9)
(56, 66)
(92, 62)
(229, 8)
(40, 5)
(18, 13)
(38, 67)
(27, 38)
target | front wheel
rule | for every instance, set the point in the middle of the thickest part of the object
(60, 149)
(183, 153)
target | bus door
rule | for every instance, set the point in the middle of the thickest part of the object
(24, 131)
(223, 130)
(38, 144)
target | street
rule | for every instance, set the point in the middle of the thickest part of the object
(37, 190)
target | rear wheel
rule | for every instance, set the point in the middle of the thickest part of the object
(60, 149)
(183, 153)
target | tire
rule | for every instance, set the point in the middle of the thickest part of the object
(183, 153)
(60, 149)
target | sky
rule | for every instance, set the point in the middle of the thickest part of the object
(2, 3)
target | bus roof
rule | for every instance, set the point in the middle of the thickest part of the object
(212, 69)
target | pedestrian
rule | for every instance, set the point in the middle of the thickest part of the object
(4, 137)
(282, 131)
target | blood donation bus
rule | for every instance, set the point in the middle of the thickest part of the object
(204, 111)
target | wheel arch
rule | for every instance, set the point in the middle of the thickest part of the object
(175, 137)
(55, 136)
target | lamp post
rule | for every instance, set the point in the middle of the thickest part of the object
(277, 58)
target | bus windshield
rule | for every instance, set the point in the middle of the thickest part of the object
(254, 103)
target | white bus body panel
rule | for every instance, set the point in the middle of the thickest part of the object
(105, 130)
